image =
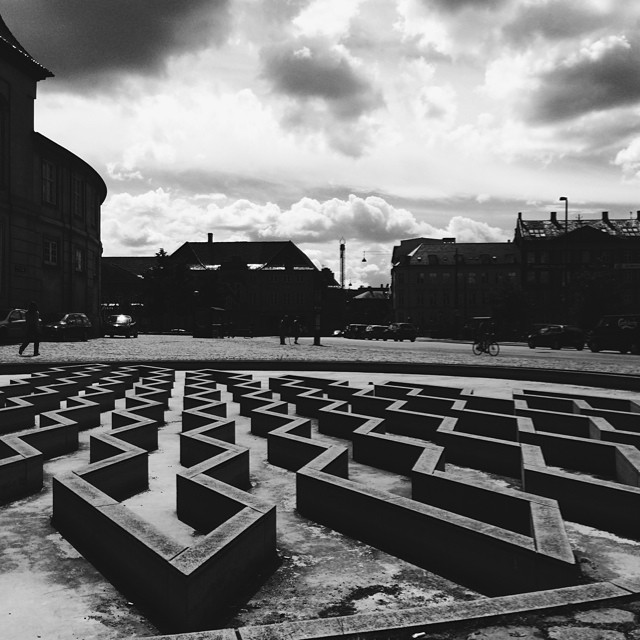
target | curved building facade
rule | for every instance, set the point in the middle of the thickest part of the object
(50, 202)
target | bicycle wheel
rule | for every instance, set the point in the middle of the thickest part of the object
(494, 349)
(477, 348)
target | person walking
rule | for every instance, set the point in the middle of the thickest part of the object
(295, 330)
(284, 329)
(32, 329)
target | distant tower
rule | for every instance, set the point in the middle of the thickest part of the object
(342, 250)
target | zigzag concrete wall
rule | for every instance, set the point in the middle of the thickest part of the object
(496, 541)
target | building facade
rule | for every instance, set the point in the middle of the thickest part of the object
(248, 286)
(49, 202)
(554, 271)
(440, 284)
(576, 270)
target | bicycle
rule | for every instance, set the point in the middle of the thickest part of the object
(486, 345)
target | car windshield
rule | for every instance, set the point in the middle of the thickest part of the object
(119, 319)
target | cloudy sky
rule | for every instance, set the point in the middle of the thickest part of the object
(315, 120)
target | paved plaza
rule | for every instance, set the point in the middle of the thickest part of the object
(322, 573)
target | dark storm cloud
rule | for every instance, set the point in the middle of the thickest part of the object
(556, 20)
(81, 38)
(454, 6)
(597, 80)
(313, 70)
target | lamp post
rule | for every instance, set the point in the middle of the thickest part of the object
(565, 261)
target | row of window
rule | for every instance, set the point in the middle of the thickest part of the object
(545, 277)
(460, 258)
(83, 199)
(444, 299)
(583, 256)
(444, 279)
(51, 257)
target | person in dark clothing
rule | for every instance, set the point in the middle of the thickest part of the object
(295, 330)
(32, 333)
(284, 329)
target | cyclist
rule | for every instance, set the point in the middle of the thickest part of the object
(485, 334)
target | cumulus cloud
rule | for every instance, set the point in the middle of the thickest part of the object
(604, 74)
(629, 159)
(80, 39)
(161, 217)
(141, 224)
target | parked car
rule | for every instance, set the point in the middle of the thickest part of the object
(354, 331)
(556, 336)
(120, 325)
(400, 331)
(66, 326)
(616, 333)
(376, 332)
(12, 325)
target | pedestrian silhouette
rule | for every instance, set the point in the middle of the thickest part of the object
(284, 329)
(32, 329)
(295, 330)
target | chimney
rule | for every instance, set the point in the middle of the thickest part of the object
(209, 237)
(519, 215)
(554, 217)
(605, 217)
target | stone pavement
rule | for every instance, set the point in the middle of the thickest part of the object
(183, 348)
(608, 621)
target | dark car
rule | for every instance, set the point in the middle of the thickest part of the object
(66, 326)
(376, 332)
(120, 325)
(355, 330)
(616, 333)
(400, 331)
(557, 336)
(12, 325)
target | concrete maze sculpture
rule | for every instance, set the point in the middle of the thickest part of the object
(497, 541)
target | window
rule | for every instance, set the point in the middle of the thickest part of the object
(49, 193)
(78, 260)
(50, 252)
(92, 206)
(4, 141)
(77, 200)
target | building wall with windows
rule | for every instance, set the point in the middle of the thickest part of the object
(440, 284)
(555, 271)
(576, 270)
(252, 285)
(49, 202)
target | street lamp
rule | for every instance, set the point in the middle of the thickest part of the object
(566, 212)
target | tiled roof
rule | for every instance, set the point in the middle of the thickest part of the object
(533, 229)
(10, 47)
(468, 252)
(255, 254)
